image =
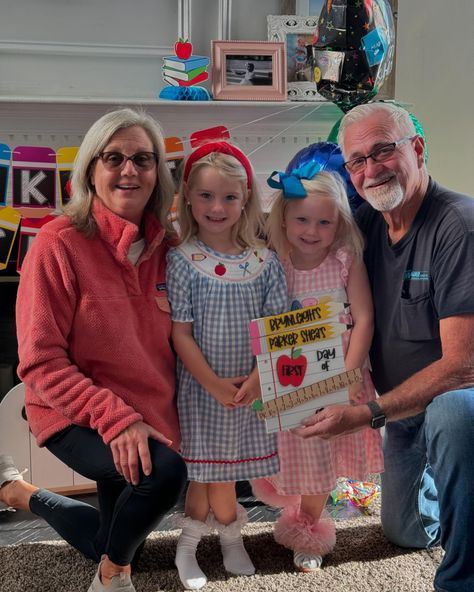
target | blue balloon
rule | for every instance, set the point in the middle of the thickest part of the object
(328, 156)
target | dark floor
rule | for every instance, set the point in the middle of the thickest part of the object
(23, 527)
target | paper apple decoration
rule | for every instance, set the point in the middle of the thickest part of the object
(183, 49)
(292, 370)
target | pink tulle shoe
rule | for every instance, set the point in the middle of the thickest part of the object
(310, 539)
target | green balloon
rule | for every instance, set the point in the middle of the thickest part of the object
(420, 132)
(334, 131)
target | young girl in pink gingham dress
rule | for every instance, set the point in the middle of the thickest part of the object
(321, 252)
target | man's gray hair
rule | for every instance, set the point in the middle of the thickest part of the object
(399, 115)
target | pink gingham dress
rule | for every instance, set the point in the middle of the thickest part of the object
(311, 466)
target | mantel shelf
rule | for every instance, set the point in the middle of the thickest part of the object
(77, 100)
(25, 119)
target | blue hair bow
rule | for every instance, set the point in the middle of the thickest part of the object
(290, 183)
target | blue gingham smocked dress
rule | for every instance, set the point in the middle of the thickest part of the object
(220, 294)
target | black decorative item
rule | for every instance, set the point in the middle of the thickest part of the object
(353, 50)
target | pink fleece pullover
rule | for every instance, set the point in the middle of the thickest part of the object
(94, 330)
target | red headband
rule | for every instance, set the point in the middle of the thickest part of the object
(223, 147)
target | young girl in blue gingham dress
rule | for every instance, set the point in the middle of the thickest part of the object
(220, 278)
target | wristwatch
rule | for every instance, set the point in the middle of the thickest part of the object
(378, 416)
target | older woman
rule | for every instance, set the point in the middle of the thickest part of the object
(95, 353)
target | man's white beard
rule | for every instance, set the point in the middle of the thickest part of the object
(385, 198)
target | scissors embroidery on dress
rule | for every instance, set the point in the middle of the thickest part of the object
(244, 266)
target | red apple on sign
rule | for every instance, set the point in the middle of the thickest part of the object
(183, 49)
(292, 370)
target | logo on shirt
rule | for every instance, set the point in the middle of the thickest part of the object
(414, 276)
(161, 297)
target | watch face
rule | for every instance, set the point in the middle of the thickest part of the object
(378, 417)
(378, 422)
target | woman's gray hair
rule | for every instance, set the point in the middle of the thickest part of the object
(79, 208)
(400, 117)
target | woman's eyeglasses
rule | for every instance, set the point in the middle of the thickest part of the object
(142, 161)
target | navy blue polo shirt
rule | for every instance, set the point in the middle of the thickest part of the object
(426, 276)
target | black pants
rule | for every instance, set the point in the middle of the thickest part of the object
(127, 513)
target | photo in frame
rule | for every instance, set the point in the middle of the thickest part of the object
(297, 33)
(248, 71)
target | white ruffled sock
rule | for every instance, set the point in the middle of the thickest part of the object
(190, 574)
(236, 558)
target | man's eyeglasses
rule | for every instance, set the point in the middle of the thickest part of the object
(380, 154)
(142, 161)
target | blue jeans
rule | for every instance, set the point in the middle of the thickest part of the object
(428, 485)
(127, 513)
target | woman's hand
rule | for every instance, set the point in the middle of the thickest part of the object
(130, 449)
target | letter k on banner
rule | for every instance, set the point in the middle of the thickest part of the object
(34, 180)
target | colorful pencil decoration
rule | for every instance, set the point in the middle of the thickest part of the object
(300, 359)
(184, 69)
(5, 162)
(9, 222)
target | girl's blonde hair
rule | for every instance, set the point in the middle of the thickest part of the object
(79, 209)
(328, 183)
(247, 231)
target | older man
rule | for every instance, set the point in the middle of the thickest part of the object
(420, 259)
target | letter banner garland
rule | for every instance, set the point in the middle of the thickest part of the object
(35, 184)
(300, 359)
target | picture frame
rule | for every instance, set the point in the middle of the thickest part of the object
(248, 70)
(309, 7)
(297, 33)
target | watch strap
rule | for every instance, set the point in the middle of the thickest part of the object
(378, 416)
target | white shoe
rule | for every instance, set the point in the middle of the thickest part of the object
(306, 562)
(119, 583)
(8, 473)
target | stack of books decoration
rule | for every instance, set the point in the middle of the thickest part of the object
(184, 69)
(300, 361)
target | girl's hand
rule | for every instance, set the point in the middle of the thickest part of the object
(249, 391)
(356, 392)
(130, 449)
(225, 389)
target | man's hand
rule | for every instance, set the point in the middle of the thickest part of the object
(130, 449)
(335, 420)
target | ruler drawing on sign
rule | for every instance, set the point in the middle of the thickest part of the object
(298, 397)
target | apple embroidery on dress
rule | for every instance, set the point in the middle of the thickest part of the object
(231, 268)
(220, 269)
